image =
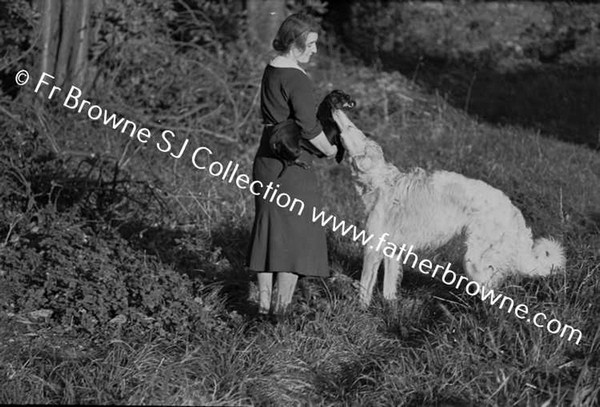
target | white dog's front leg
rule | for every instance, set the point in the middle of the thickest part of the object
(371, 262)
(393, 272)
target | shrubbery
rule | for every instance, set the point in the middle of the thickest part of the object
(501, 36)
(62, 261)
(88, 242)
(534, 64)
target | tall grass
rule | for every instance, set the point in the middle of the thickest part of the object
(431, 347)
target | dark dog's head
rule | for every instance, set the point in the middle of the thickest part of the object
(335, 100)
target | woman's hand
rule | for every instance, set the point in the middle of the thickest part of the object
(335, 150)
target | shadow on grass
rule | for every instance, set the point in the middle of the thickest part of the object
(429, 307)
(216, 259)
(422, 301)
(559, 101)
(232, 240)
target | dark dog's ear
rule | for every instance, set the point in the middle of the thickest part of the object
(324, 111)
(335, 99)
(341, 150)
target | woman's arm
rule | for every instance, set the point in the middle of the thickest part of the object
(323, 145)
(302, 101)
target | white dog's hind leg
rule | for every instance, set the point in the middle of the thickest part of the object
(372, 260)
(393, 273)
(474, 261)
(481, 260)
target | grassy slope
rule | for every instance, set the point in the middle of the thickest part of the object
(428, 348)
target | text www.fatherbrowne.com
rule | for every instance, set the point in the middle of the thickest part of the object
(229, 173)
(448, 276)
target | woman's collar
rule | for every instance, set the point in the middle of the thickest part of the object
(281, 61)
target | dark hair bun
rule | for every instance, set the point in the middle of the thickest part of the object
(278, 45)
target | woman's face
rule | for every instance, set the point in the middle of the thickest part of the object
(310, 48)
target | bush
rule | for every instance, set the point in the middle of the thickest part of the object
(64, 258)
(489, 35)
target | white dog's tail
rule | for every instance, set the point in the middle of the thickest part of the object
(548, 257)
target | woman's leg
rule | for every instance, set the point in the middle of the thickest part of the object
(286, 284)
(265, 287)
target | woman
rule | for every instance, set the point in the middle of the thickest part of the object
(282, 242)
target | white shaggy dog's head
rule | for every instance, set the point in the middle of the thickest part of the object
(353, 139)
(366, 156)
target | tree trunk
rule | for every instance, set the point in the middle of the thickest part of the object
(50, 10)
(68, 22)
(82, 44)
(65, 41)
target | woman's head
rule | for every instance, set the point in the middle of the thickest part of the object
(297, 36)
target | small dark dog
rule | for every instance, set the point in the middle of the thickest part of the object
(285, 141)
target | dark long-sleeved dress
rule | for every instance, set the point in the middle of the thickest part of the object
(281, 240)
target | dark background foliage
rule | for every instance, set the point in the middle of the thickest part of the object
(528, 63)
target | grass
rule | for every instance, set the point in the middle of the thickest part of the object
(431, 347)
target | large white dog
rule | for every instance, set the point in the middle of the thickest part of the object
(425, 210)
